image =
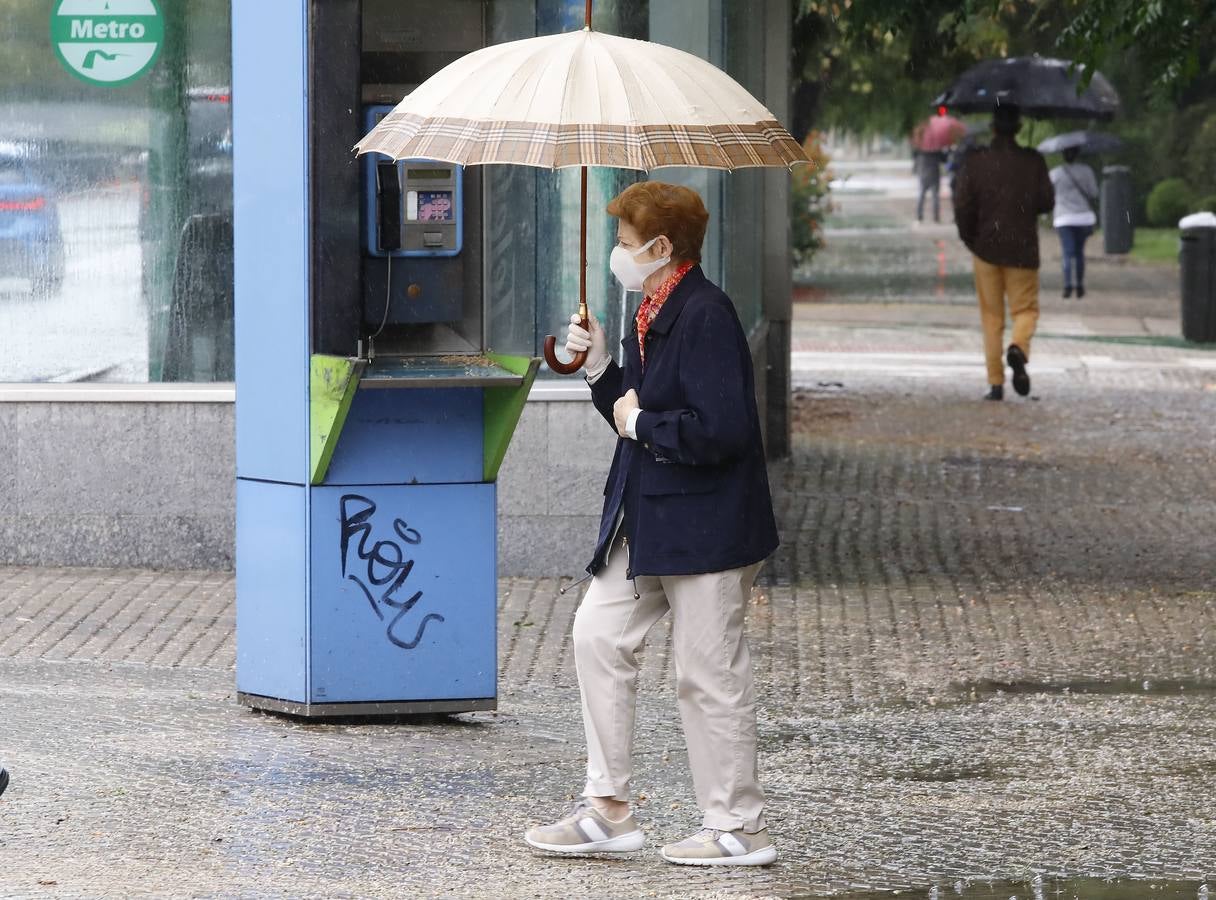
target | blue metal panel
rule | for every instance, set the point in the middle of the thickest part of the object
(403, 593)
(270, 193)
(271, 589)
(410, 435)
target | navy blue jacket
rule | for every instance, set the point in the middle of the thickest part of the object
(695, 479)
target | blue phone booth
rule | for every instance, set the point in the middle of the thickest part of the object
(372, 416)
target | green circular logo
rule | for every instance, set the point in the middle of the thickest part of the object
(108, 42)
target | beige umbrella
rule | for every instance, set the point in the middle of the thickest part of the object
(583, 98)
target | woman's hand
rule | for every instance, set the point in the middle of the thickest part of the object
(593, 341)
(621, 410)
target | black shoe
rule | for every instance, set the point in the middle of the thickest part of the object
(1080, 291)
(3, 780)
(996, 392)
(1017, 361)
(1067, 291)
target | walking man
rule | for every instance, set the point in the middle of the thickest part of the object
(1001, 191)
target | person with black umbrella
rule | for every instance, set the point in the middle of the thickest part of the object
(1000, 192)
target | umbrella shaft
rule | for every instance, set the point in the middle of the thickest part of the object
(587, 18)
(582, 240)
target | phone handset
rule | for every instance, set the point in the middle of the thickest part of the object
(388, 206)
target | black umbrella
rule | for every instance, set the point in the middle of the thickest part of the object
(1040, 87)
(1085, 141)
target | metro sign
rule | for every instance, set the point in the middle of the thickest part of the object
(107, 42)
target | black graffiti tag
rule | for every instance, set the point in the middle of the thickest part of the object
(386, 568)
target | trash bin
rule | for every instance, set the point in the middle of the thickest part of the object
(1117, 228)
(1197, 259)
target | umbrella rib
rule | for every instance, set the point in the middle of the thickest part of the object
(646, 156)
(456, 87)
(725, 116)
(643, 143)
(506, 84)
(538, 82)
(585, 36)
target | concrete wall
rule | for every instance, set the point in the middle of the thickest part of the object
(117, 484)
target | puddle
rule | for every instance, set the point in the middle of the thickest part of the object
(1165, 687)
(1041, 888)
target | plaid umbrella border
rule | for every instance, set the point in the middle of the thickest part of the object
(403, 135)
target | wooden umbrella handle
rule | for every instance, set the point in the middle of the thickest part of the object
(556, 364)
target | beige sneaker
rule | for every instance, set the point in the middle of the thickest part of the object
(586, 830)
(710, 847)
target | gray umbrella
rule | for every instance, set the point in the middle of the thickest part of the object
(1041, 87)
(1085, 141)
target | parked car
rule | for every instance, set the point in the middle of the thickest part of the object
(31, 242)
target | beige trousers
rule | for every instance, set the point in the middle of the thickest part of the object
(993, 284)
(714, 684)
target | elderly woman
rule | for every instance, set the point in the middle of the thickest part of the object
(686, 524)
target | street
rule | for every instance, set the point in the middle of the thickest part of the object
(986, 649)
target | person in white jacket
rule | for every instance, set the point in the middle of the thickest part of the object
(1073, 217)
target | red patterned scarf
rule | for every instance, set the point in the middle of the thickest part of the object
(652, 303)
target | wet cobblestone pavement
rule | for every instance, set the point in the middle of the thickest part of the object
(986, 651)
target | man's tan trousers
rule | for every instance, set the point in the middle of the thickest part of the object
(993, 284)
(714, 685)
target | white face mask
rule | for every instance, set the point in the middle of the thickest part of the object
(628, 271)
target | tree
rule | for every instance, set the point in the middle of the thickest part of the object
(874, 65)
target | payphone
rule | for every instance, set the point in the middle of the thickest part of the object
(372, 410)
(413, 220)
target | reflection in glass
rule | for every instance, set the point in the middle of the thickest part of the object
(115, 208)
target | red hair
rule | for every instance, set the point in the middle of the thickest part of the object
(654, 207)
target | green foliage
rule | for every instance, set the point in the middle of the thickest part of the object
(809, 201)
(1204, 204)
(1168, 202)
(1174, 37)
(1199, 166)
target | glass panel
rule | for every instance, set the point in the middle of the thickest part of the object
(115, 209)
(510, 198)
(744, 189)
(558, 203)
(696, 28)
(532, 216)
(532, 239)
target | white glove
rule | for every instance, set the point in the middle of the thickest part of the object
(594, 342)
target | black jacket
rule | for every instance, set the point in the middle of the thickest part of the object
(1000, 191)
(696, 478)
